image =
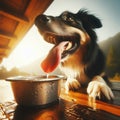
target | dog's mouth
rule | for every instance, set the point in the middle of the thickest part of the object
(72, 42)
(64, 45)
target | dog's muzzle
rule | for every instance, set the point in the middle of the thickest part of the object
(41, 19)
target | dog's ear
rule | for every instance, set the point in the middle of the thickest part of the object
(89, 20)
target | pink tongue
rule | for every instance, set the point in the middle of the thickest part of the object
(53, 58)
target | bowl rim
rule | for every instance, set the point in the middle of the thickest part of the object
(36, 78)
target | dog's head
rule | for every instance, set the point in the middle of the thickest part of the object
(75, 28)
(73, 36)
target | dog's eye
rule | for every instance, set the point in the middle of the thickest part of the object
(67, 18)
(70, 19)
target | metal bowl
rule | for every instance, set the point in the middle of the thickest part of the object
(36, 90)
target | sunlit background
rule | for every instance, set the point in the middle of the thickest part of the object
(33, 47)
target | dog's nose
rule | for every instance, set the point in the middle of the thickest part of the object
(41, 19)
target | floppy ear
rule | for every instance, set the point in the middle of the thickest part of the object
(94, 21)
(89, 19)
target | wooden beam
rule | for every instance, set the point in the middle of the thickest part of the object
(14, 16)
(1, 60)
(4, 47)
(7, 35)
(2, 55)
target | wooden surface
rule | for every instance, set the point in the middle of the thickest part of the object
(70, 106)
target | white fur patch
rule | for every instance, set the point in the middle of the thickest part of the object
(98, 85)
(72, 84)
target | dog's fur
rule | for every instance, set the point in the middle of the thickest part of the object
(84, 62)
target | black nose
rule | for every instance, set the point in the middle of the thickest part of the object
(41, 19)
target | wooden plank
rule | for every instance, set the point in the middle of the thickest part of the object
(83, 99)
(7, 35)
(15, 16)
(34, 8)
(4, 47)
(2, 55)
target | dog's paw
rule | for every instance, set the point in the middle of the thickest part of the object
(72, 84)
(98, 86)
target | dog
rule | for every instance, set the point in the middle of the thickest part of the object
(76, 51)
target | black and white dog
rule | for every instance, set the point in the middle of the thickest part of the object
(76, 50)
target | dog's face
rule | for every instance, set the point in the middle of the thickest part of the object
(68, 27)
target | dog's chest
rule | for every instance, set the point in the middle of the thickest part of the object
(71, 68)
(75, 72)
(69, 72)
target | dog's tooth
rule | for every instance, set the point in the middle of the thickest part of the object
(69, 45)
(54, 40)
(50, 38)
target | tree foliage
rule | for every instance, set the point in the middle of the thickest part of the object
(111, 56)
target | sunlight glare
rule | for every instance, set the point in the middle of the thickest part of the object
(31, 48)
